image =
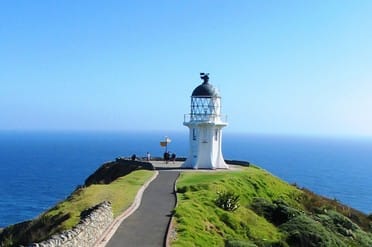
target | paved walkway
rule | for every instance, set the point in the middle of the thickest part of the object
(148, 225)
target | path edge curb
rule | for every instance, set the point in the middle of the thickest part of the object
(171, 221)
(103, 240)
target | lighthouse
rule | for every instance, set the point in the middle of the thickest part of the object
(205, 124)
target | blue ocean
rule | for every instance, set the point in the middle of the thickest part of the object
(39, 169)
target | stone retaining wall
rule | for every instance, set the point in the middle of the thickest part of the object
(93, 223)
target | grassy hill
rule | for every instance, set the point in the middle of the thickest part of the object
(271, 212)
(117, 182)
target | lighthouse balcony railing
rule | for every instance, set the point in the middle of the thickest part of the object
(209, 118)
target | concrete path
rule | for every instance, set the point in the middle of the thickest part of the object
(148, 225)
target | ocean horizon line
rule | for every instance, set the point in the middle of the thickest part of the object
(185, 131)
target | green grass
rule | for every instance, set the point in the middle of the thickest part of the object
(120, 193)
(199, 221)
(66, 214)
(271, 213)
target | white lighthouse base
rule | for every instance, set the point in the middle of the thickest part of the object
(205, 159)
(205, 150)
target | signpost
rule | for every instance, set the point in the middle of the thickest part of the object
(165, 143)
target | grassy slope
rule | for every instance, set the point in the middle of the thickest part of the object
(199, 221)
(66, 214)
(210, 224)
(120, 193)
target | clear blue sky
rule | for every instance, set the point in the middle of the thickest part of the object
(285, 67)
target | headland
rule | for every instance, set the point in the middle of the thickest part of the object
(270, 212)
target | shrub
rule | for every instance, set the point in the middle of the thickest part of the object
(304, 231)
(228, 201)
(370, 216)
(262, 207)
(277, 212)
(319, 204)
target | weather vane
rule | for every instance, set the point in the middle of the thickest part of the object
(204, 77)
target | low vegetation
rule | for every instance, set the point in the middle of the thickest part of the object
(66, 214)
(227, 200)
(271, 213)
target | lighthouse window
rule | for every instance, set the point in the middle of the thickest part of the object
(193, 134)
(216, 135)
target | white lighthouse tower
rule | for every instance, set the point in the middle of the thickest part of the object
(205, 123)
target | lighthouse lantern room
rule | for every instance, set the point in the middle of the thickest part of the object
(205, 124)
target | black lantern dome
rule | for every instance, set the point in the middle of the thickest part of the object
(205, 89)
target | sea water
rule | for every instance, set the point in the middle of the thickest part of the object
(38, 169)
